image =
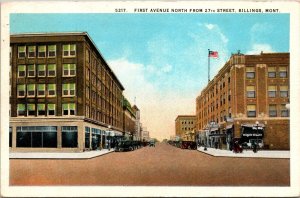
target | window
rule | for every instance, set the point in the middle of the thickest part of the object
(21, 71)
(284, 111)
(41, 90)
(282, 72)
(21, 109)
(69, 109)
(31, 51)
(69, 136)
(87, 74)
(21, 51)
(41, 109)
(272, 91)
(272, 72)
(31, 71)
(87, 92)
(69, 50)
(250, 91)
(51, 50)
(69, 69)
(41, 70)
(21, 91)
(51, 70)
(250, 72)
(30, 90)
(30, 109)
(10, 136)
(283, 91)
(272, 110)
(69, 89)
(42, 51)
(37, 136)
(251, 110)
(87, 137)
(51, 90)
(51, 109)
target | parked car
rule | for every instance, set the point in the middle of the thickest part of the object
(152, 143)
(188, 145)
(126, 145)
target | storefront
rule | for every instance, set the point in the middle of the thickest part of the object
(252, 134)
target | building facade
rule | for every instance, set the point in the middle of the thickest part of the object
(248, 100)
(63, 94)
(129, 120)
(185, 126)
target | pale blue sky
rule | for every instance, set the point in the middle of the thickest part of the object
(162, 58)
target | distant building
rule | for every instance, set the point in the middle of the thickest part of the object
(248, 99)
(185, 126)
(146, 136)
(137, 122)
(129, 118)
(63, 94)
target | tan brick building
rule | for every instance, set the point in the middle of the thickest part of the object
(185, 126)
(247, 99)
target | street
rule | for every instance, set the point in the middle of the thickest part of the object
(163, 165)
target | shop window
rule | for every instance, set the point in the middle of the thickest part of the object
(272, 91)
(31, 90)
(69, 136)
(283, 91)
(21, 51)
(37, 137)
(51, 51)
(51, 109)
(41, 70)
(41, 109)
(250, 72)
(51, 70)
(272, 110)
(284, 111)
(51, 90)
(30, 109)
(31, 71)
(69, 109)
(282, 72)
(69, 70)
(21, 71)
(31, 51)
(87, 137)
(21, 109)
(69, 89)
(251, 110)
(272, 72)
(69, 50)
(41, 90)
(250, 91)
(21, 91)
(10, 136)
(42, 51)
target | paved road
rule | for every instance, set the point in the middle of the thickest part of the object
(163, 165)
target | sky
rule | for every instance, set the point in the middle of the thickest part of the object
(161, 59)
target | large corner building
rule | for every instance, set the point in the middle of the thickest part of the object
(247, 100)
(63, 94)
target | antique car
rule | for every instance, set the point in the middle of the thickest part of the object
(188, 145)
(126, 145)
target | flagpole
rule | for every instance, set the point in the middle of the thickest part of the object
(208, 65)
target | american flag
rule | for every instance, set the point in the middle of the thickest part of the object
(213, 54)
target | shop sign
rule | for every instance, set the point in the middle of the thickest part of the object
(252, 134)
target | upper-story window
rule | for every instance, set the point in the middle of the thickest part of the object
(21, 90)
(51, 70)
(30, 90)
(69, 89)
(41, 109)
(51, 90)
(272, 91)
(41, 90)
(251, 110)
(250, 72)
(250, 91)
(31, 71)
(284, 111)
(21, 71)
(41, 70)
(51, 50)
(21, 109)
(21, 51)
(69, 69)
(272, 110)
(30, 109)
(69, 109)
(42, 51)
(69, 50)
(284, 91)
(31, 51)
(51, 109)
(272, 72)
(282, 72)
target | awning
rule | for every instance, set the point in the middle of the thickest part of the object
(254, 126)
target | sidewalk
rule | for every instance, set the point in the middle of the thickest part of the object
(39, 155)
(246, 153)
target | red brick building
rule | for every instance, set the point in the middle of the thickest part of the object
(248, 99)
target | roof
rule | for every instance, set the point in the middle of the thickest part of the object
(185, 116)
(85, 34)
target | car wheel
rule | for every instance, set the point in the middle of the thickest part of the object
(131, 148)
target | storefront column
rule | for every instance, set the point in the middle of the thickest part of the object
(58, 131)
(81, 136)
